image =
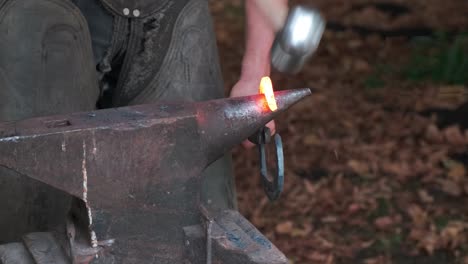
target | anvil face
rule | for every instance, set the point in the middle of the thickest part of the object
(136, 169)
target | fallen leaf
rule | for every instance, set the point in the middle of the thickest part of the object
(302, 232)
(401, 169)
(453, 234)
(311, 140)
(457, 172)
(454, 136)
(354, 208)
(317, 256)
(384, 223)
(416, 234)
(361, 66)
(429, 243)
(450, 187)
(324, 242)
(329, 219)
(284, 228)
(346, 63)
(451, 96)
(310, 187)
(376, 260)
(425, 196)
(418, 215)
(366, 244)
(433, 134)
(354, 43)
(331, 48)
(358, 167)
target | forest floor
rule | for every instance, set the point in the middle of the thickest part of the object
(376, 159)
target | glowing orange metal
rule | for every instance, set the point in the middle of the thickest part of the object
(266, 88)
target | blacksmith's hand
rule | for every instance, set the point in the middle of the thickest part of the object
(256, 61)
(249, 87)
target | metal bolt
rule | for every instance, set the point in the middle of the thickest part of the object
(126, 11)
(136, 13)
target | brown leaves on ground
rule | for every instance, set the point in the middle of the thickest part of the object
(384, 223)
(284, 228)
(450, 237)
(368, 177)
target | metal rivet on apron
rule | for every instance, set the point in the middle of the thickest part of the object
(136, 13)
(126, 11)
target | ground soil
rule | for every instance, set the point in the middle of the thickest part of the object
(371, 175)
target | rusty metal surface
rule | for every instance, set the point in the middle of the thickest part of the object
(235, 240)
(14, 253)
(135, 170)
(44, 248)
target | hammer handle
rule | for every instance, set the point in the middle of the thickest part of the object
(275, 11)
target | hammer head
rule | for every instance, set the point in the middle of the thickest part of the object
(298, 39)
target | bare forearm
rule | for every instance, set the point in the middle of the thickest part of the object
(260, 36)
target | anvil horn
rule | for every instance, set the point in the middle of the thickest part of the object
(223, 124)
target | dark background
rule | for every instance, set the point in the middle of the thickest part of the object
(375, 160)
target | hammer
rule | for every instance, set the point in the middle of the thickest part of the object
(298, 34)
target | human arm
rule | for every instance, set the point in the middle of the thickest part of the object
(256, 60)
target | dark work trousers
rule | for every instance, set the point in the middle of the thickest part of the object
(64, 56)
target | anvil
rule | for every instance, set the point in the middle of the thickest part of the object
(136, 173)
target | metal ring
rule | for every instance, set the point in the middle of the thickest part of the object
(273, 186)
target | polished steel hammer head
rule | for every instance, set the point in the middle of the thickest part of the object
(298, 39)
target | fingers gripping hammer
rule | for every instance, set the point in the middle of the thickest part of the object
(298, 34)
